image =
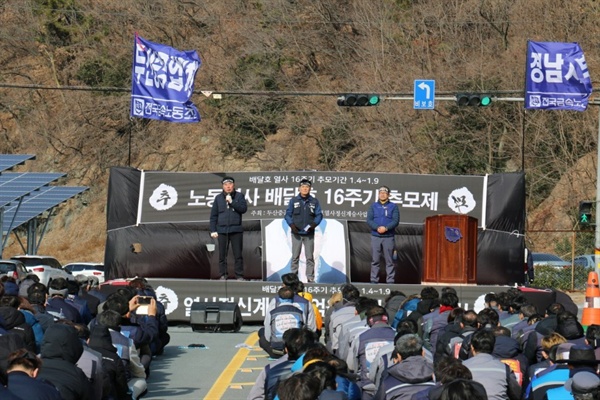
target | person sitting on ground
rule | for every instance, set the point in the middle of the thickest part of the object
(592, 338)
(83, 282)
(130, 357)
(90, 361)
(411, 372)
(497, 378)
(15, 322)
(552, 377)
(143, 288)
(548, 342)
(58, 290)
(462, 389)
(326, 375)
(115, 381)
(439, 375)
(23, 368)
(61, 348)
(364, 347)
(297, 342)
(299, 387)
(584, 386)
(581, 359)
(285, 315)
(340, 313)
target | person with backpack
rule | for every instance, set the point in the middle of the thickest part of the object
(284, 316)
(450, 342)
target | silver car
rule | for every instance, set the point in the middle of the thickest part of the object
(551, 260)
(586, 261)
(13, 269)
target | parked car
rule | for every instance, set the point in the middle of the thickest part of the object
(45, 267)
(13, 269)
(548, 259)
(87, 269)
(586, 260)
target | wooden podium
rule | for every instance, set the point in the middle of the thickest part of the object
(450, 249)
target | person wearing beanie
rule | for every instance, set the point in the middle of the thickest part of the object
(226, 226)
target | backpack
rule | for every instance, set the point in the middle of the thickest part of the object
(404, 311)
(455, 343)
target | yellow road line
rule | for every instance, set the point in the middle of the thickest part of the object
(224, 380)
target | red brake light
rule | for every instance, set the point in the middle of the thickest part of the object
(97, 273)
(38, 269)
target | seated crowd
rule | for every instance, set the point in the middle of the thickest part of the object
(424, 346)
(72, 341)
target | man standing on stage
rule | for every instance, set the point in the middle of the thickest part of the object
(226, 224)
(383, 217)
(303, 215)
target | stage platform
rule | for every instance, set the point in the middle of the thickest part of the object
(177, 295)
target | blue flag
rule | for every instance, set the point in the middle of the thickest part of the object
(557, 77)
(163, 82)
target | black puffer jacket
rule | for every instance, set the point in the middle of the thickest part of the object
(14, 322)
(115, 382)
(61, 348)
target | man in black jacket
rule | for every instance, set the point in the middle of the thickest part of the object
(115, 380)
(226, 224)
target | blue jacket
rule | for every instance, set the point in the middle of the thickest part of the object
(227, 218)
(302, 212)
(386, 215)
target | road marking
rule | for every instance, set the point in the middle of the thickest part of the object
(224, 380)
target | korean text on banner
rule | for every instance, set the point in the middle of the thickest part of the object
(557, 77)
(163, 82)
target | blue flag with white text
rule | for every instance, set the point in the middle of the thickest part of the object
(163, 82)
(557, 77)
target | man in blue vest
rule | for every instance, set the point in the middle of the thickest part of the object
(303, 215)
(383, 217)
(226, 224)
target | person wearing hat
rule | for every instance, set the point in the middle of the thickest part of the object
(383, 217)
(303, 215)
(582, 359)
(226, 224)
(583, 386)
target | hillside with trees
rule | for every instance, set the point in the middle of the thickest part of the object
(284, 61)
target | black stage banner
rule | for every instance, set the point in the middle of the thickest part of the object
(184, 197)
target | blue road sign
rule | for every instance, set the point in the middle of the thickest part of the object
(424, 93)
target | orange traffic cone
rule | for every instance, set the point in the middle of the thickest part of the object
(591, 307)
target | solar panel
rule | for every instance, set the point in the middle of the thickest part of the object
(8, 161)
(37, 203)
(15, 185)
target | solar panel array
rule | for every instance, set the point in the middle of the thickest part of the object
(27, 195)
(8, 161)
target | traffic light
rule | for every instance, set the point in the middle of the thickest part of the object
(358, 100)
(473, 99)
(585, 212)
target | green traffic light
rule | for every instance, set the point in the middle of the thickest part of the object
(373, 100)
(486, 101)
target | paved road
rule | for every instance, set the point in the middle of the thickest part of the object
(221, 371)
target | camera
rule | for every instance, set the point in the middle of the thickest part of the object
(143, 302)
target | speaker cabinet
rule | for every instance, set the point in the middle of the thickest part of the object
(216, 317)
